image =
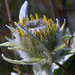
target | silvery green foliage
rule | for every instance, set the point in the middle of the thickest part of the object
(39, 45)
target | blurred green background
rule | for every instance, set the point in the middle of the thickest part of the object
(51, 8)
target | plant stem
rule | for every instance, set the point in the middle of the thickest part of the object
(45, 69)
(66, 71)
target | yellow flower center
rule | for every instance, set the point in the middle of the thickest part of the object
(38, 25)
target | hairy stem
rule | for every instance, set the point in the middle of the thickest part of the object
(45, 69)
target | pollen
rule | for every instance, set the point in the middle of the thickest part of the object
(54, 27)
(23, 21)
(31, 17)
(44, 18)
(27, 18)
(36, 15)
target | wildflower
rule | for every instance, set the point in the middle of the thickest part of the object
(38, 41)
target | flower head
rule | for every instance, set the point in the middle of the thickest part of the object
(35, 37)
(37, 40)
(37, 31)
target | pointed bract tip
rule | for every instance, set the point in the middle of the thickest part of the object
(62, 27)
(23, 11)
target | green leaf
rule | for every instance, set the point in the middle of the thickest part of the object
(19, 48)
(62, 27)
(58, 72)
(58, 48)
(12, 48)
(67, 51)
(36, 60)
(66, 37)
(12, 61)
(11, 28)
(57, 22)
(8, 44)
(69, 64)
(8, 38)
(25, 62)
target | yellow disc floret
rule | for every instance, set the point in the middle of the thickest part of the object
(36, 33)
(22, 33)
(54, 27)
(45, 32)
(18, 30)
(23, 21)
(48, 29)
(44, 18)
(27, 18)
(31, 17)
(49, 22)
(36, 16)
(40, 31)
(19, 22)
